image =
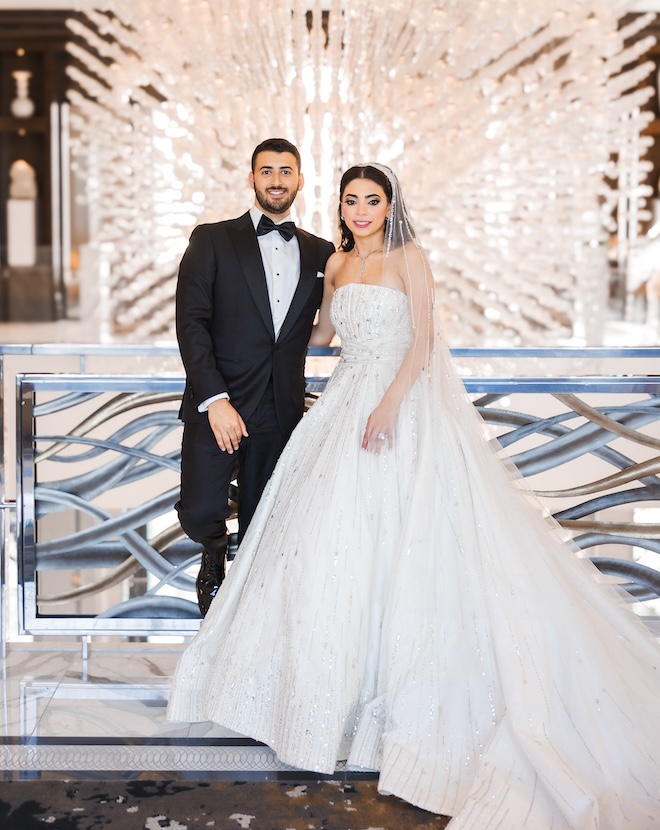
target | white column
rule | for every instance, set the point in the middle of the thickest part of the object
(21, 233)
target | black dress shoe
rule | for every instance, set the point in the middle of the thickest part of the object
(209, 579)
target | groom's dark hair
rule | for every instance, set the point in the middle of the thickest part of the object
(276, 145)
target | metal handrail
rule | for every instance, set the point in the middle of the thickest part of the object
(171, 348)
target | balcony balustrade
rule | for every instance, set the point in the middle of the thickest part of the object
(90, 542)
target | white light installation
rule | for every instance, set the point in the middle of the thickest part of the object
(514, 127)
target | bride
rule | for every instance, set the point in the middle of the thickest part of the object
(401, 602)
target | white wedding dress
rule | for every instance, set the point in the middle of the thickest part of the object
(413, 612)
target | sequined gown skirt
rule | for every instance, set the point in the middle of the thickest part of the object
(408, 612)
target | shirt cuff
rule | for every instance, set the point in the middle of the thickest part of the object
(204, 405)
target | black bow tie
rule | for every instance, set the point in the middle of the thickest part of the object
(266, 225)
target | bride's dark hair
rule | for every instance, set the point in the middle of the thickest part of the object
(360, 171)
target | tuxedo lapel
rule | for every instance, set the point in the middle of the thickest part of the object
(245, 243)
(305, 284)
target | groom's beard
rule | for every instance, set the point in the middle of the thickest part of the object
(279, 206)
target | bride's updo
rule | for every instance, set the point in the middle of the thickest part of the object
(359, 171)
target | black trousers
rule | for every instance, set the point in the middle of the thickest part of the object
(207, 472)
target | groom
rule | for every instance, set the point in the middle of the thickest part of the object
(247, 293)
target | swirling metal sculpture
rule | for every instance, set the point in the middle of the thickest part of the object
(124, 450)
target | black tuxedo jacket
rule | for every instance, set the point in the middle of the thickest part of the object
(225, 327)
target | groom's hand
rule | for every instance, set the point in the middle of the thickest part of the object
(227, 425)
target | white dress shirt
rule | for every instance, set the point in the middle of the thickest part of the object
(281, 260)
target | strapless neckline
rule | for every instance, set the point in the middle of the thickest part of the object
(371, 285)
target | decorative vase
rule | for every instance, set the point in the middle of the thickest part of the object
(22, 106)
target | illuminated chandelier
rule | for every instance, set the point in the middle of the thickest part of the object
(503, 120)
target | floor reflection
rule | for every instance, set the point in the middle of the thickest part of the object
(103, 709)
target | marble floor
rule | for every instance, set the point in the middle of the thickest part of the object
(99, 711)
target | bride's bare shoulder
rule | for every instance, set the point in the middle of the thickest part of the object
(408, 248)
(338, 257)
(335, 263)
(407, 256)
